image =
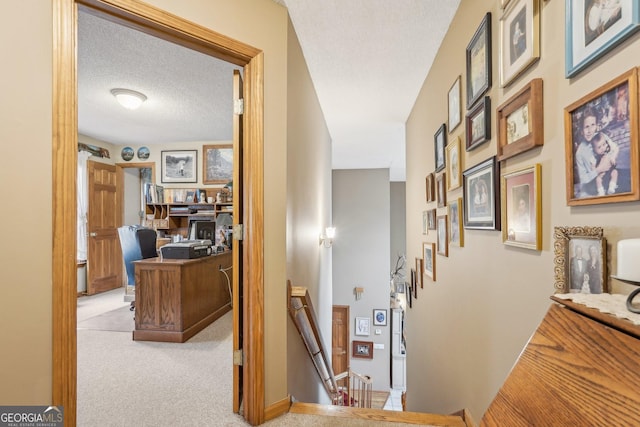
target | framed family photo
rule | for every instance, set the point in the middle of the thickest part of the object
(362, 349)
(580, 260)
(519, 39)
(443, 235)
(478, 124)
(428, 260)
(478, 55)
(179, 166)
(456, 236)
(521, 208)
(439, 142)
(594, 27)
(601, 144)
(218, 163)
(441, 189)
(454, 107)
(430, 188)
(454, 163)
(481, 196)
(520, 121)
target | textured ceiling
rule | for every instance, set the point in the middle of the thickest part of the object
(367, 58)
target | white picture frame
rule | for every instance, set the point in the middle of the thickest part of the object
(363, 326)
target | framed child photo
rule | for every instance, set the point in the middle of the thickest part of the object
(478, 56)
(594, 27)
(601, 144)
(580, 260)
(481, 195)
(519, 39)
(439, 142)
(521, 208)
(454, 165)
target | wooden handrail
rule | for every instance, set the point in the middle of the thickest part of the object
(358, 392)
(304, 317)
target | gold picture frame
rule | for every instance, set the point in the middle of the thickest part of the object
(571, 275)
(519, 39)
(522, 208)
(520, 121)
(454, 165)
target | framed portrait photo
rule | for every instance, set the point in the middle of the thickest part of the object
(481, 195)
(428, 260)
(521, 208)
(519, 39)
(441, 189)
(363, 326)
(362, 349)
(580, 260)
(454, 106)
(454, 165)
(431, 219)
(443, 235)
(379, 317)
(478, 124)
(179, 166)
(430, 188)
(601, 144)
(456, 236)
(419, 272)
(478, 56)
(217, 164)
(439, 142)
(520, 121)
(594, 27)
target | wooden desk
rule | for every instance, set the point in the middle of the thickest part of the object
(177, 298)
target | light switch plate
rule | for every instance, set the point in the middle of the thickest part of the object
(377, 346)
(378, 331)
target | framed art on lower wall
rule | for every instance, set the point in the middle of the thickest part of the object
(521, 208)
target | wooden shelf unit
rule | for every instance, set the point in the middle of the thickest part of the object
(173, 218)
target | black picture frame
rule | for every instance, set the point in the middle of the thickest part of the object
(439, 144)
(478, 124)
(478, 56)
(481, 185)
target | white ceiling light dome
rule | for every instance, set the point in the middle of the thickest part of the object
(129, 99)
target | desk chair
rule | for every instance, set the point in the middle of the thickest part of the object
(137, 243)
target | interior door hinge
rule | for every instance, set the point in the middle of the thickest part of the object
(238, 357)
(238, 232)
(238, 106)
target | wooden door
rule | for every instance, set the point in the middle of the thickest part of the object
(340, 340)
(238, 214)
(104, 257)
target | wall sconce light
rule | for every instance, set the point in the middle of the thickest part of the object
(358, 292)
(129, 99)
(326, 239)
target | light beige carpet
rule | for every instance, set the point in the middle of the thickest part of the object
(118, 320)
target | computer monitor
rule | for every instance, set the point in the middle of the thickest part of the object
(205, 230)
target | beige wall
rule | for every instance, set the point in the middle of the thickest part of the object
(467, 329)
(308, 213)
(25, 373)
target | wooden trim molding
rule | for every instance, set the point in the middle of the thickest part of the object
(277, 409)
(161, 24)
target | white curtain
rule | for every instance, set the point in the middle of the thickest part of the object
(83, 206)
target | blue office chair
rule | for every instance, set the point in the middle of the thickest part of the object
(137, 243)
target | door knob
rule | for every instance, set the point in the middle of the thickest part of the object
(93, 234)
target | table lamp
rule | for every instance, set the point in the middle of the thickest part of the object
(629, 268)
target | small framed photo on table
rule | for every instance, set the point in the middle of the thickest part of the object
(580, 260)
(379, 317)
(521, 208)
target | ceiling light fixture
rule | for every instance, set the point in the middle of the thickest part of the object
(129, 99)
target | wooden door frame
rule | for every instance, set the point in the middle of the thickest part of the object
(64, 159)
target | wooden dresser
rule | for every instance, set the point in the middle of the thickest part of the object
(177, 298)
(580, 368)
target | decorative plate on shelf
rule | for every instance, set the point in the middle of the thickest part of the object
(143, 153)
(127, 153)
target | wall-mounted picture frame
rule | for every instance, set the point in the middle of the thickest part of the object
(419, 269)
(481, 185)
(441, 190)
(519, 39)
(425, 222)
(179, 166)
(379, 317)
(591, 31)
(601, 144)
(439, 142)
(431, 219)
(454, 165)
(478, 124)
(217, 167)
(580, 263)
(504, 3)
(456, 231)
(362, 349)
(429, 260)
(454, 107)
(443, 235)
(520, 121)
(363, 326)
(522, 208)
(430, 187)
(478, 55)
(409, 295)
